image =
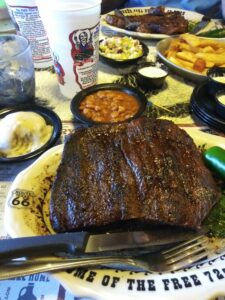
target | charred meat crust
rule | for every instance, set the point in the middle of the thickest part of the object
(146, 170)
(156, 21)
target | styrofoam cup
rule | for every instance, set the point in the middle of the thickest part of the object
(73, 31)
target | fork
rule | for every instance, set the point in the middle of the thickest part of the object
(180, 256)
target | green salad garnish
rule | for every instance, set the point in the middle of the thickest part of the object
(210, 30)
(214, 33)
(192, 25)
(215, 221)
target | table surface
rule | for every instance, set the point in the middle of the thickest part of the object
(171, 102)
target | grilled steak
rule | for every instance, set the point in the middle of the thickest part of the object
(145, 170)
(156, 21)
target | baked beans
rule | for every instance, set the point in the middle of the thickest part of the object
(108, 106)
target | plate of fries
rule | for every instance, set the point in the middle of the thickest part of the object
(191, 56)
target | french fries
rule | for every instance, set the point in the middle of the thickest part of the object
(196, 54)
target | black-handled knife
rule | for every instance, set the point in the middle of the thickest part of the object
(58, 244)
(205, 21)
(202, 24)
(79, 243)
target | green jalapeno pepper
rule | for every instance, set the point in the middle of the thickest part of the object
(214, 158)
(216, 33)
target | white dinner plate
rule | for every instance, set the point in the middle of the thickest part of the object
(27, 214)
(189, 15)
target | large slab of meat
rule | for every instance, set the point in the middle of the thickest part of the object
(156, 21)
(146, 170)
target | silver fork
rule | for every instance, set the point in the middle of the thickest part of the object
(172, 259)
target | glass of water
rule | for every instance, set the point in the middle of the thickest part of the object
(17, 79)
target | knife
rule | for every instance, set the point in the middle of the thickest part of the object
(206, 23)
(202, 24)
(79, 243)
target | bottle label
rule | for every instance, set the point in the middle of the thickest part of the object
(29, 24)
(84, 53)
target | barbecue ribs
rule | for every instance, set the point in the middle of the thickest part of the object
(156, 21)
(145, 170)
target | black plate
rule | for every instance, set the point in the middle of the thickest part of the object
(205, 118)
(50, 117)
(75, 103)
(204, 106)
(126, 62)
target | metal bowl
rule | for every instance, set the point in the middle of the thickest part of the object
(161, 48)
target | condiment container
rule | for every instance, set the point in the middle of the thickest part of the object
(220, 103)
(216, 80)
(152, 76)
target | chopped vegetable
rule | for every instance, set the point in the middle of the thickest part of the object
(192, 25)
(215, 222)
(215, 33)
(211, 30)
(120, 48)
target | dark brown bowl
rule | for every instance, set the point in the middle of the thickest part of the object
(76, 101)
(151, 81)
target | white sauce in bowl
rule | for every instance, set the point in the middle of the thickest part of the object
(220, 79)
(221, 99)
(152, 72)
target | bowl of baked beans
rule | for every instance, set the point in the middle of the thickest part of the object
(108, 103)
